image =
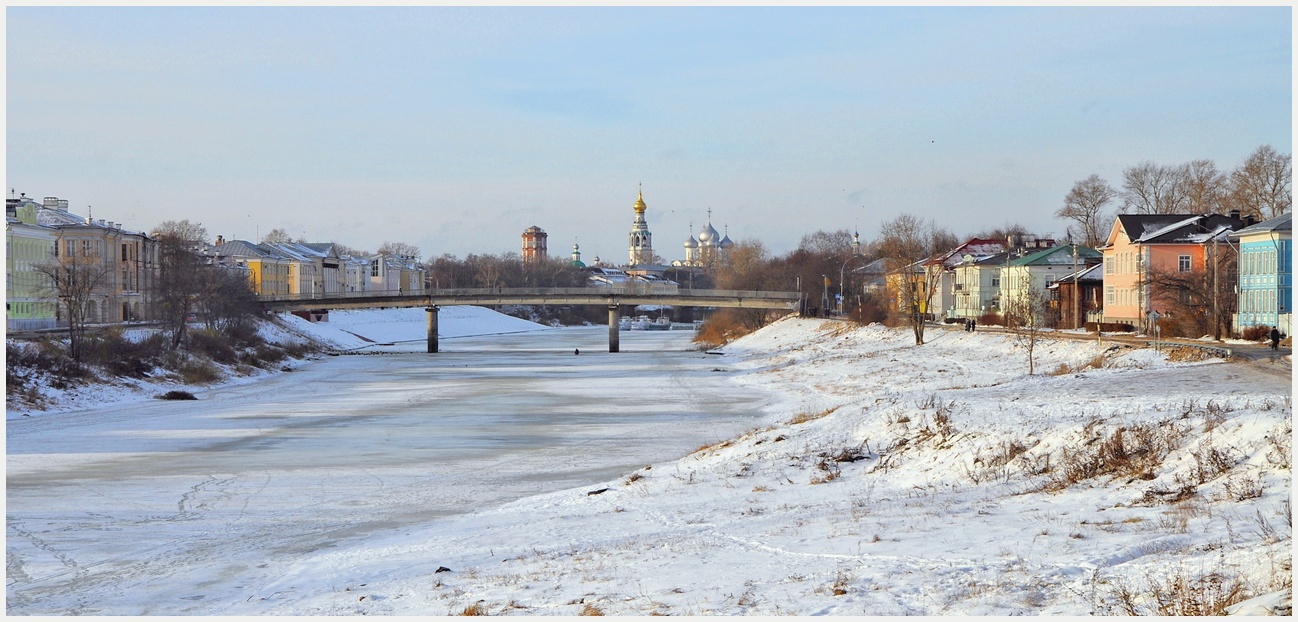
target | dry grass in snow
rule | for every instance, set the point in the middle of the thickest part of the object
(892, 479)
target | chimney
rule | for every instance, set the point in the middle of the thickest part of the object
(50, 202)
(219, 241)
(1250, 220)
(63, 205)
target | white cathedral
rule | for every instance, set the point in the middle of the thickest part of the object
(700, 252)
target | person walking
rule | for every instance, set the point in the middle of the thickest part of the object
(1275, 338)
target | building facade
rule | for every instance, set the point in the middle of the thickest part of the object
(27, 244)
(1027, 279)
(535, 243)
(128, 259)
(1139, 244)
(1265, 274)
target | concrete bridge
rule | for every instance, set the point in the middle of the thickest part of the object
(610, 296)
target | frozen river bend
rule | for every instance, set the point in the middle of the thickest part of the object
(196, 507)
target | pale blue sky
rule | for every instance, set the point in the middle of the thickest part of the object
(455, 129)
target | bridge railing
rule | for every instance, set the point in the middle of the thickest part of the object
(378, 293)
(629, 289)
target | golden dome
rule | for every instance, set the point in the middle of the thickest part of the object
(639, 203)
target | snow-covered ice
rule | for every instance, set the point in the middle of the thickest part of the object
(853, 473)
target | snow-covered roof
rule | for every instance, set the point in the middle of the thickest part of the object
(1056, 256)
(1089, 274)
(1283, 222)
(1176, 228)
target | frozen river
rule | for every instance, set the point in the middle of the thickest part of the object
(187, 507)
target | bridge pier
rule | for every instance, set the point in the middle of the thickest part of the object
(432, 328)
(613, 321)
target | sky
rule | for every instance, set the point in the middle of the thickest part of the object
(456, 128)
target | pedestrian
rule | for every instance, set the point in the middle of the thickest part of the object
(1275, 338)
(973, 325)
(576, 351)
(966, 325)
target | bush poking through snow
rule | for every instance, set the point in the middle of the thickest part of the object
(1183, 595)
(476, 609)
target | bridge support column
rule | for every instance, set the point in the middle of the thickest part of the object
(613, 328)
(432, 328)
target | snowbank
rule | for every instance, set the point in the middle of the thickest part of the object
(889, 479)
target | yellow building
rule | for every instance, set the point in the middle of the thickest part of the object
(271, 272)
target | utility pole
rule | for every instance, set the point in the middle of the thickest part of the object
(1216, 312)
(1077, 293)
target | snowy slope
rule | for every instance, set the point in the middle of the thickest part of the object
(889, 479)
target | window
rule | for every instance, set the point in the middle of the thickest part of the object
(1110, 296)
(1184, 262)
(996, 281)
(1108, 265)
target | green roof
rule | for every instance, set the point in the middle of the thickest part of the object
(1055, 256)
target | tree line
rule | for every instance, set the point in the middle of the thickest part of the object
(819, 267)
(1261, 187)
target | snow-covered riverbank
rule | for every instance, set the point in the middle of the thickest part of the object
(889, 480)
(878, 478)
(346, 331)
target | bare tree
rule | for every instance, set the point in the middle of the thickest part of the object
(1203, 186)
(1026, 315)
(1084, 205)
(1001, 233)
(908, 244)
(343, 249)
(276, 236)
(1200, 301)
(179, 282)
(1149, 188)
(746, 267)
(77, 279)
(400, 249)
(1263, 185)
(226, 298)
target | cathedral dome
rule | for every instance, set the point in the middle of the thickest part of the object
(708, 236)
(691, 243)
(640, 206)
(725, 242)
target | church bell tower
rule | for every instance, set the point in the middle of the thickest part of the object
(641, 250)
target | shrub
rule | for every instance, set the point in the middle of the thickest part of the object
(212, 345)
(119, 356)
(719, 329)
(243, 334)
(199, 371)
(1256, 333)
(1133, 451)
(991, 319)
(45, 356)
(476, 609)
(870, 310)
